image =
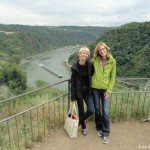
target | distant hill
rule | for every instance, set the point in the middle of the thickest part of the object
(25, 40)
(130, 46)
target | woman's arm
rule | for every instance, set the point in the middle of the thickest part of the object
(112, 78)
(73, 86)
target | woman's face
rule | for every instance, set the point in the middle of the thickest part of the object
(83, 56)
(102, 51)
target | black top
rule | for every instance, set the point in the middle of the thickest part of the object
(83, 71)
(77, 83)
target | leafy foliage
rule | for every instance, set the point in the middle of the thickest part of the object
(40, 83)
(12, 74)
(130, 46)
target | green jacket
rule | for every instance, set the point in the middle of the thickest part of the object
(104, 78)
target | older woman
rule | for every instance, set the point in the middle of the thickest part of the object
(81, 87)
(103, 82)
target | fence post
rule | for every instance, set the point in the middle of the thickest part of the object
(69, 94)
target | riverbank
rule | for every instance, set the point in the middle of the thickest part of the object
(34, 57)
(47, 53)
(66, 64)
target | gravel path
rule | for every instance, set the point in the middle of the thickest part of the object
(124, 136)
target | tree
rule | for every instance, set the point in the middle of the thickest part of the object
(14, 59)
(130, 46)
(15, 77)
(2, 78)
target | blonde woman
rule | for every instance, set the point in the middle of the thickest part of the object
(103, 81)
(82, 71)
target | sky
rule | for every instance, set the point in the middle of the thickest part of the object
(74, 12)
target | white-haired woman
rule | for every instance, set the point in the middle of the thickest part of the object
(82, 71)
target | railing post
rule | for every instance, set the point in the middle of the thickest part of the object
(69, 90)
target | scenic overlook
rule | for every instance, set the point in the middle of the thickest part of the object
(45, 49)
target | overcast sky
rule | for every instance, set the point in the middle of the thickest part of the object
(74, 12)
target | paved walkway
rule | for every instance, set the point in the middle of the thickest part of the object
(124, 136)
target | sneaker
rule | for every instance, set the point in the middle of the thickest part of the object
(104, 140)
(100, 133)
(85, 132)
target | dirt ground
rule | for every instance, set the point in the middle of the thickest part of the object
(123, 136)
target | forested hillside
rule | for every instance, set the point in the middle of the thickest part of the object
(30, 40)
(19, 41)
(130, 46)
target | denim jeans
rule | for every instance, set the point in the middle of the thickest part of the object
(101, 111)
(88, 99)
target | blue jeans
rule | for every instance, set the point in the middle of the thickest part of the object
(88, 99)
(101, 111)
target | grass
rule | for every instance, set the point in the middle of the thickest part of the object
(129, 106)
(22, 131)
(22, 103)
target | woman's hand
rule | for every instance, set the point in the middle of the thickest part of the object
(106, 95)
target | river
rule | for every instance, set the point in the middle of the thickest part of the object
(52, 60)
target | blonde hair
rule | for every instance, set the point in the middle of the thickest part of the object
(96, 52)
(85, 50)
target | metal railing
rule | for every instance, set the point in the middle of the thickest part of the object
(27, 100)
(22, 129)
(130, 105)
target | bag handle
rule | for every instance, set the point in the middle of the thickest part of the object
(73, 109)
